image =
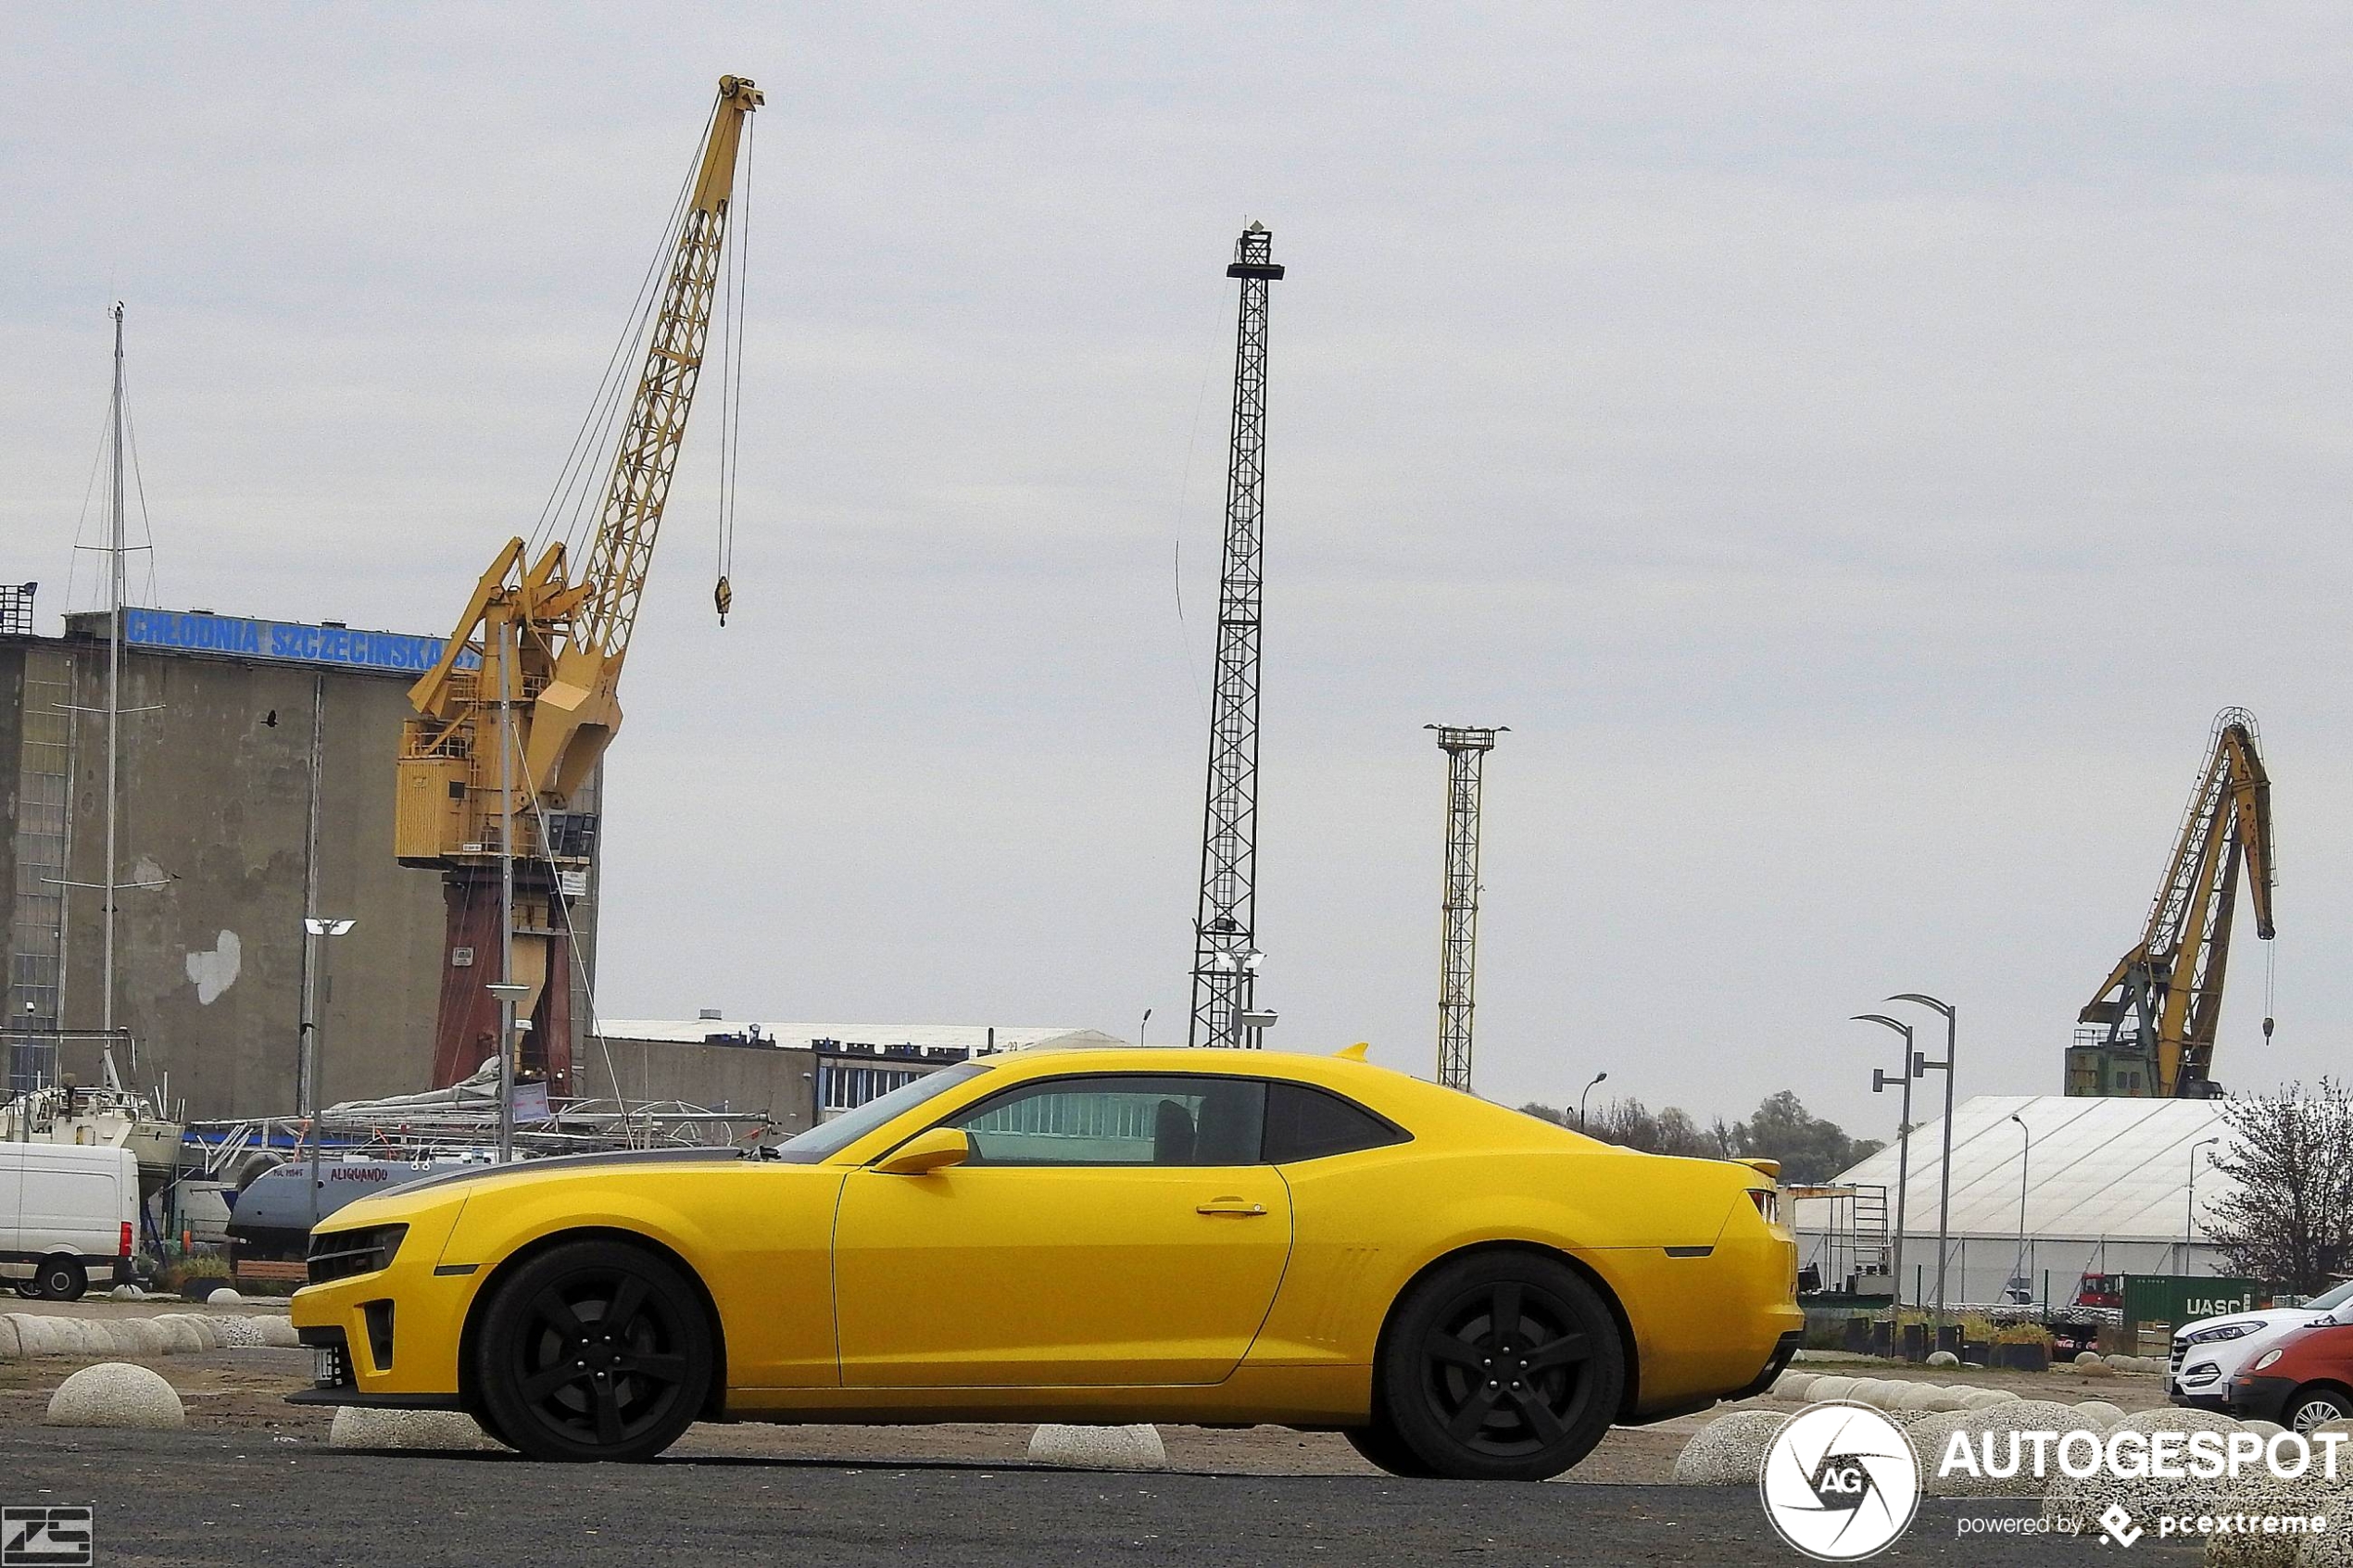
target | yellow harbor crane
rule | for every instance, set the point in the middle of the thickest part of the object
(2151, 1024)
(555, 643)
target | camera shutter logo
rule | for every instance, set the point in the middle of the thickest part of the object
(56, 1536)
(1840, 1482)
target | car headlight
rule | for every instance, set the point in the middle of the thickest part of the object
(2266, 1359)
(341, 1254)
(2223, 1331)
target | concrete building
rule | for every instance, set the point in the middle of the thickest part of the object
(2107, 1185)
(798, 1074)
(256, 783)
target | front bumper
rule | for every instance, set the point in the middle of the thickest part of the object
(2260, 1398)
(393, 1331)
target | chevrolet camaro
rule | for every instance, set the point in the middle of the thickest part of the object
(1104, 1236)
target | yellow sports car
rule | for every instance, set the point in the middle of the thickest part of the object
(1098, 1236)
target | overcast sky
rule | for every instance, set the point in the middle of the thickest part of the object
(1857, 449)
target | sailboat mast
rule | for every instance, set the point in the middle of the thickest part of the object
(114, 685)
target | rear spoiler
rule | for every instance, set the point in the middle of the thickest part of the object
(1771, 1168)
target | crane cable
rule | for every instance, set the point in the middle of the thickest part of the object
(731, 377)
(581, 467)
(2271, 977)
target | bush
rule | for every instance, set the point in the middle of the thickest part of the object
(2022, 1334)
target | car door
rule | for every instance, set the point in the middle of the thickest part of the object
(1109, 1229)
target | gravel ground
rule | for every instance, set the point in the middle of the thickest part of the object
(209, 1496)
(245, 1390)
(251, 1481)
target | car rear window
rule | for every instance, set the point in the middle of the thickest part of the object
(1309, 1123)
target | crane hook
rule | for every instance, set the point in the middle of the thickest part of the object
(724, 596)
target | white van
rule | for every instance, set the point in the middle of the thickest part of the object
(68, 1216)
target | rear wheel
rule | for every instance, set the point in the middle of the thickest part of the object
(60, 1279)
(2308, 1407)
(593, 1350)
(1502, 1366)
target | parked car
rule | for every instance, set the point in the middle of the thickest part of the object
(1097, 1237)
(2304, 1380)
(2207, 1353)
(68, 1217)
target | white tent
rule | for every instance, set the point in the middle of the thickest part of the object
(2107, 1185)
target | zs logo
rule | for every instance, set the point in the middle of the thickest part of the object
(44, 1537)
(1840, 1482)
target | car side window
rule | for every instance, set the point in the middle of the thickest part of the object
(1308, 1123)
(1120, 1119)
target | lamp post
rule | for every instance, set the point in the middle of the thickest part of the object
(1909, 1070)
(1945, 1169)
(1583, 1098)
(316, 929)
(2189, 1219)
(2025, 1153)
(510, 993)
(1142, 1026)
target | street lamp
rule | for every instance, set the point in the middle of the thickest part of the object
(2189, 1219)
(2025, 1152)
(1909, 1070)
(315, 928)
(1142, 1026)
(1583, 1098)
(510, 993)
(1944, 1171)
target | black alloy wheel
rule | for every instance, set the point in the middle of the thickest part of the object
(60, 1279)
(1503, 1366)
(2309, 1407)
(593, 1350)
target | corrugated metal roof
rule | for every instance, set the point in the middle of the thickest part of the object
(955, 1036)
(2114, 1169)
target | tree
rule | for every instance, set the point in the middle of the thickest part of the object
(1809, 1148)
(2289, 1219)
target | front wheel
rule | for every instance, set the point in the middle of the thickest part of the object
(1500, 1366)
(2311, 1408)
(594, 1350)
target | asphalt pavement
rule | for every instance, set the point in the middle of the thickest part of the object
(194, 1497)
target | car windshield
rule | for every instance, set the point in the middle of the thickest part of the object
(2328, 1298)
(827, 1139)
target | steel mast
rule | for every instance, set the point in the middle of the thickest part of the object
(1226, 956)
(1466, 752)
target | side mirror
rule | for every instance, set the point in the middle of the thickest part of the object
(927, 1153)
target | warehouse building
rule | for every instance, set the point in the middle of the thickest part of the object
(2105, 1186)
(255, 787)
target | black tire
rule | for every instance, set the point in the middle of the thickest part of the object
(593, 1350)
(1500, 1366)
(1380, 1447)
(60, 1279)
(2308, 1408)
(28, 1288)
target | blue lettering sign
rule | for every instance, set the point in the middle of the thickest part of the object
(290, 641)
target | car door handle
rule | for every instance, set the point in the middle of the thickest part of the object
(1233, 1206)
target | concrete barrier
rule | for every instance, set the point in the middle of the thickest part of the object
(1099, 1447)
(115, 1393)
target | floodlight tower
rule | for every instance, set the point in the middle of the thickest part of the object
(1226, 955)
(1466, 752)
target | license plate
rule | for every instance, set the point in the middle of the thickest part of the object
(326, 1367)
